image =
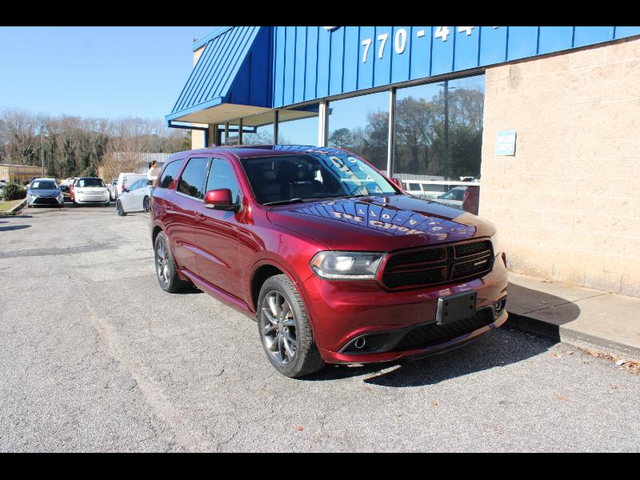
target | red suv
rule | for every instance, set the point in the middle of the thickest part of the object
(335, 262)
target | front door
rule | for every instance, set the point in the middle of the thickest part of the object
(217, 233)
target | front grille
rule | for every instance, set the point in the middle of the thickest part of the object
(433, 334)
(438, 265)
(45, 201)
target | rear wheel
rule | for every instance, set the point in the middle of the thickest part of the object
(285, 331)
(166, 270)
(145, 204)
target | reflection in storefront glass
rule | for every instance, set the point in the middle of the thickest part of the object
(298, 126)
(361, 125)
(439, 129)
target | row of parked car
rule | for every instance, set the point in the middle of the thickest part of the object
(130, 191)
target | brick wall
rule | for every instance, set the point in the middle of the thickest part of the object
(567, 205)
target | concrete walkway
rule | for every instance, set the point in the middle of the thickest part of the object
(582, 317)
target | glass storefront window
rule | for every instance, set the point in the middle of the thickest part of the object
(361, 125)
(258, 129)
(439, 129)
(298, 126)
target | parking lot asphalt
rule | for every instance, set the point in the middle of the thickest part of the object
(94, 356)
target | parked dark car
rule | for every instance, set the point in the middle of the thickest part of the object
(335, 262)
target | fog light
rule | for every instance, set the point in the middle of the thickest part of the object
(499, 307)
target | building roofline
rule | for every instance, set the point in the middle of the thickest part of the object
(204, 40)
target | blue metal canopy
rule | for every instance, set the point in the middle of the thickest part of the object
(247, 70)
(234, 68)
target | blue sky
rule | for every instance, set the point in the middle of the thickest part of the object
(100, 72)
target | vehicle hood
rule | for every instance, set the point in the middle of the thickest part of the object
(382, 223)
(45, 193)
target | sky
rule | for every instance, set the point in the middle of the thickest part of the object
(98, 72)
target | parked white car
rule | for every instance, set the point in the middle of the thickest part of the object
(135, 198)
(89, 190)
(112, 189)
(125, 180)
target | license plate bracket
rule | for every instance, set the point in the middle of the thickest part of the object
(454, 308)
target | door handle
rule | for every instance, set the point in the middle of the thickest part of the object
(200, 217)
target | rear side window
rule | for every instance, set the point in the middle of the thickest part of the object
(193, 177)
(169, 174)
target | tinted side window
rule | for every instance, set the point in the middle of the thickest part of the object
(223, 176)
(193, 177)
(169, 174)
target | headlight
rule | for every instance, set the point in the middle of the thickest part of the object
(346, 265)
(495, 241)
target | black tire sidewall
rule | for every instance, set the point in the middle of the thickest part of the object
(174, 284)
(306, 347)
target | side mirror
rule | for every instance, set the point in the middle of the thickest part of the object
(398, 183)
(220, 199)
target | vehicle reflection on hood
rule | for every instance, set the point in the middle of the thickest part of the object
(386, 214)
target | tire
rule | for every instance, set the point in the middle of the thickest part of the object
(120, 210)
(166, 270)
(145, 204)
(285, 330)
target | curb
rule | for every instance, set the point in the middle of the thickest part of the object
(14, 209)
(562, 334)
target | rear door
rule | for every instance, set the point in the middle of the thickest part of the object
(127, 199)
(181, 206)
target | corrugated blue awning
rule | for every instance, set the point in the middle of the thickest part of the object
(233, 70)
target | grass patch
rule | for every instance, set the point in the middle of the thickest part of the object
(6, 206)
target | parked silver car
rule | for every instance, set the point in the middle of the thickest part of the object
(44, 191)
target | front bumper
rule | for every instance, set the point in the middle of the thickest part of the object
(45, 201)
(93, 198)
(397, 324)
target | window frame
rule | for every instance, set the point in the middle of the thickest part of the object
(212, 161)
(208, 158)
(181, 163)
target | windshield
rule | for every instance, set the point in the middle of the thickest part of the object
(43, 185)
(90, 182)
(456, 193)
(290, 178)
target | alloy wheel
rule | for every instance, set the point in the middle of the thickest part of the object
(279, 328)
(162, 263)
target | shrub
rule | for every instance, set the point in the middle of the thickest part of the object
(13, 191)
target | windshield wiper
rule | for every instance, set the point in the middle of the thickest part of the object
(283, 202)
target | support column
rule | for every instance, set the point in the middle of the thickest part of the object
(276, 127)
(391, 148)
(323, 123)
(211, 135)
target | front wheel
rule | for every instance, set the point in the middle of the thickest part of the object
(285, 331)
(120, 210)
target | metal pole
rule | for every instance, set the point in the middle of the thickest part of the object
(240, 128)
(42, 150)
(392, 133)
(446, 129)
